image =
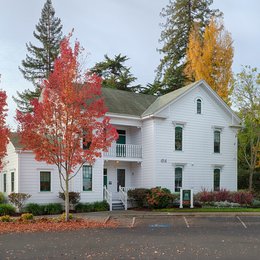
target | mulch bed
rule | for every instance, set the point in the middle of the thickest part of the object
(50, 225)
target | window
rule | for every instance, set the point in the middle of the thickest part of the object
(217, 141)
(4, 182)
(86, 140)
(105, 177)
(178, 138)
(198, 106)
(45, 181)
(216, 183)
(178, 179)
(87, 177)
(12, 181)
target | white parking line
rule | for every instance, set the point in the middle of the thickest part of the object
(186, 222)
(133, 222)
(244, 225)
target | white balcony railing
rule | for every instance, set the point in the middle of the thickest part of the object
(124, 150)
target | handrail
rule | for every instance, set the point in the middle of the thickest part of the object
(123, 196)
(108, 197)
(124, 150)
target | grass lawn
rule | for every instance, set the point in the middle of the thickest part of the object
(209, 210)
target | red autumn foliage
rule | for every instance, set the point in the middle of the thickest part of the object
(48, 225)
(4, 131)
(70, 106)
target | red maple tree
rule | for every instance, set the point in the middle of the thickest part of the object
(68, 126)
(4, 131)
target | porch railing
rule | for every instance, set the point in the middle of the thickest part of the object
(123, 196)
(124, 150)
(108, 197)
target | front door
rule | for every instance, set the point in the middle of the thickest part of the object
(120, 178)
(121, 141)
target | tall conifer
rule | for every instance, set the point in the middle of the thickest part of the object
(179, 18)
(39, 61)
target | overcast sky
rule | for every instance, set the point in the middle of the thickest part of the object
(129, 27)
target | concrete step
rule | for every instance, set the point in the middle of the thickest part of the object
(117, 205)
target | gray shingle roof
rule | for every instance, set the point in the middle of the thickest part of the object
(128, 103)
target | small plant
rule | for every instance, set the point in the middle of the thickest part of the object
(139, 196)
(2, 198)
(18, 199)
(53, 208)
(63, 216)
(5, 218)
(27, 216)
(74, 197)
(6, 209)
(35, 209)
(92, 207)
(159, 198)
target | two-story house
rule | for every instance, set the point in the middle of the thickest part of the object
(186, 138)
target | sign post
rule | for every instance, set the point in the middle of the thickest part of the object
(186, 197)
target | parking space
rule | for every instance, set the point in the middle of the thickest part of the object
(224, 223)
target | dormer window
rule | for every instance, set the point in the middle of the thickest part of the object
(199, 106)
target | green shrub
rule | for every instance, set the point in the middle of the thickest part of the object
(5, 218)
(27, 216)
(53, 208)
(74, 197)
(159, 198)
(6, 209)
(35, 209)
(18, 199)
(256, 204)
(2, 198)
(139, 195)
(92, 207)
(63, 216)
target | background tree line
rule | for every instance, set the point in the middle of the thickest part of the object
(194, 46)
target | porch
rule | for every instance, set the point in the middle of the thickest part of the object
(119, 177)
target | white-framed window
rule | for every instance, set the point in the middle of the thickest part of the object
(178, 135)
(12, 181)
(87, 178)
(4, 183)
(216, 179)
(217, 134)
(178, 178)
(45, 181)
(199, 105)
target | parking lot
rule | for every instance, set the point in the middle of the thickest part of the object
(178, 222)
(144, 237)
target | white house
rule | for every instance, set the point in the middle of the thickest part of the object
(186, 138)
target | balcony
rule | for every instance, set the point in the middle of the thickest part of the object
(124, 152)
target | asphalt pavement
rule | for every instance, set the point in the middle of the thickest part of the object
(144, 236)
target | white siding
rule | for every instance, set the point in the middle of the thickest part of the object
(197, 155)
(10, 165)
(148, 149)
(30, 181)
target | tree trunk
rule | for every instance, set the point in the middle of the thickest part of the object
(251, 173)
(67, 204)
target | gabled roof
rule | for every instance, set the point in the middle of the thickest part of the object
(164, 100)
(127, 103)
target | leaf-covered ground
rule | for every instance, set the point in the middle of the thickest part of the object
(45, 225)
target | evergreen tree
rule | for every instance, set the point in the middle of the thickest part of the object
(39, 61)
(180, 16)
(115, 74)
